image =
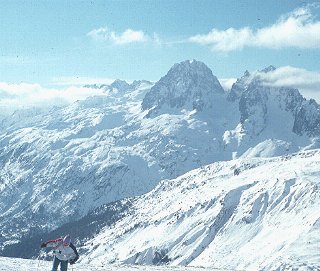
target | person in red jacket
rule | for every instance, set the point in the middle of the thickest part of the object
(65, 252)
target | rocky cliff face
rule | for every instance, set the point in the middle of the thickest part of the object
(257, 99)
(307, 119)
(189, 85)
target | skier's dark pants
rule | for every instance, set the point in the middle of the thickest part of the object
(63, 264)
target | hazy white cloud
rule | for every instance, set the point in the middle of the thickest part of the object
(16, 96)
(156, 40)
(225, 40)
(128, 36)
(292, 76)
(308, 82)
(227, 83)
(80, 80)
(297, 29)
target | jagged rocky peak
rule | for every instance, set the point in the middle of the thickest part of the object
(138, 83)
(193, 74)
(186, 68)
(239, 87)
(269, 69)
(123, 85)
(189, 84)
(307, 119)
(257, 95)
(246, 73)
(120, 85)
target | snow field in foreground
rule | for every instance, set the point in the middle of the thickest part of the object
(15, 264)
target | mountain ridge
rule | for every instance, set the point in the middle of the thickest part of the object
(189, 85)
(213, 218)
(262, 222)
(121, 144)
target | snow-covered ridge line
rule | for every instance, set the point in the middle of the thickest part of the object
(74, 159)
(215, 218)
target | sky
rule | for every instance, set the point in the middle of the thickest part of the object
(55, 44)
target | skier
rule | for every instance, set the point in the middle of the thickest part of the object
(65, 252)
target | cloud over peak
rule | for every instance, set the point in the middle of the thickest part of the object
(297, 29)
(288, 76)
(308, 82)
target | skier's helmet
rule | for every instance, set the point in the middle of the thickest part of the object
(66, 240)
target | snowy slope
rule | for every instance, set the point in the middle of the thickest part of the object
(74, 159)
(45, 163)
(12, 264)
(58, 165)
(265, 218)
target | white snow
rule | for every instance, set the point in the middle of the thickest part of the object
(75, 158)
(15, 264)
(265, 218)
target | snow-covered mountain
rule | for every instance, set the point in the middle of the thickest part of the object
(58, 165)
(228, 215)
(213, 217)
(187, 85)
(277, 118)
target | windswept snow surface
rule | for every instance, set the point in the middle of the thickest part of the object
(265, 218)
(14, 264)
